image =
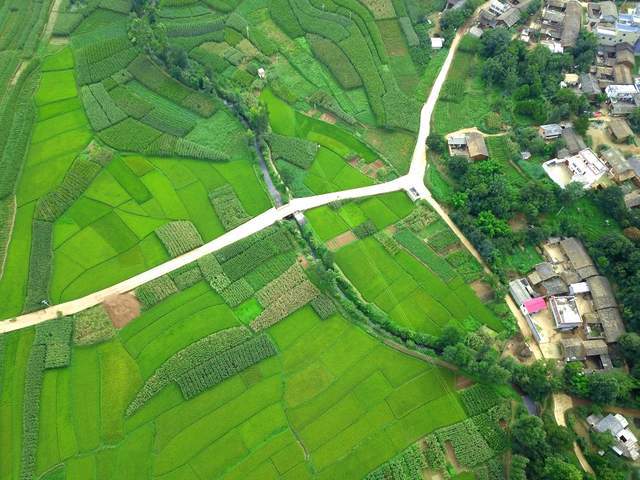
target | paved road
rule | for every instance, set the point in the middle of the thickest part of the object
(412, 182)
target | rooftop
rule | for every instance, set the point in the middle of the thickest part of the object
(565, 312)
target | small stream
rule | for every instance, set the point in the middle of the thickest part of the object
(273, 191)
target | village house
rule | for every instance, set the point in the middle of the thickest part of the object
(620, 168)
(470, 144)
(574, 142)
(561, 23)
(589, 86)
(625, 442)
(619, 130)
(584, 167)
(624, 99)
(550, 131)
(612, 28)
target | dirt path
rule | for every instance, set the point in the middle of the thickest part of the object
(53, 16)
(12, 220)
(18, 72)
(561, 403)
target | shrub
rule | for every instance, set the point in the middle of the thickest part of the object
(155, 291)
(323, 306)
(225, 365)
(40, 261)
(407, 465)
(335, 60)
(76, 181)
(237, 292)
(228, 207)
(213, 273)
(179, 237)
(92, 326)
(294, 150)
(365, 229)
(190, 357)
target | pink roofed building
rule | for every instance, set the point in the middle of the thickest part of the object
(534, 305)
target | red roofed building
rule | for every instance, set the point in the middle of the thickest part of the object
(534, 305)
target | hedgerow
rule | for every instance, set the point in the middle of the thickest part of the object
(92, 326)
(294, 150)
(155, 291)
(76, 181)
(31, 411)
(329, 54)
(179, 237)
(132, 104)
(478, 398)
(323, 306)
(55, 335)
(365, 229)
(40, 262)
(467, 442)
(186, 276)
(228, 207)
(225, 365)
(284, 304)
(236, 293)
(407, 465)
(213, 273)
(187, 359)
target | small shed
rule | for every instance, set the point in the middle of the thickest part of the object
(475, 31)
(619, 130)
(534, 305)
(571, 79)
(437, 43)
(550, 131)
(476, 146)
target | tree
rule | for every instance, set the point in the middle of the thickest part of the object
(581, 124)
(603, 389)
(634, 120)
(584, 53)
(494, 41)
(629, 344)
(458, 166)
(537, 380)
(574, 379)
(436, 143)
(492, 226)
(529, 435)
(557, 469)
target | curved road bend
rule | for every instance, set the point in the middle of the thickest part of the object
(413, 181)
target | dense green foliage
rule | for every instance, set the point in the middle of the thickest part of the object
(179, 237)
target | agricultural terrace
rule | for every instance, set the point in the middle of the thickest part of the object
(238, 367)
(406, 261)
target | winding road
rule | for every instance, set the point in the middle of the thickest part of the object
(412, 183)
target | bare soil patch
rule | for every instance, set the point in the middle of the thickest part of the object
(341, 240)
(451, 456)
(518, 223)
(122, 309)
(327, 117)
(302, 260)
(463, 382)
(482, 289)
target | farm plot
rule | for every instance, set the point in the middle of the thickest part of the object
(418, 283)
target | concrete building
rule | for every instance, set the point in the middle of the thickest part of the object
(565, 312)
(625, 442)
(585, 167)
(550, 131)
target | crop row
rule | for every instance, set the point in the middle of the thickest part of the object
(467, 442)
(92, 326)
(186, 276)
(294, 150)
(240, 246)
(101, 59)
(433, 454)
(179, 237)
(419, 218)
(389, 243)
(426, 255)
(155, 291)
(187, 359)
(17, 114)
(132, 104)
(270, 270)
(213, 273)
(285, 304)
(167, 122)
(260, 252)
(7, 213)
(323, 306)
(40, 262)
(478, 398)
(155, 79)
(195, 28)
(228, 207)
(237, 292)
(326, 101)
(407, 465)
(335, 60)
(225, 365)
(441, 241)
(31, 411)
(55, 335)
(292, 277)
(76, 181)
(464, 263)
(100, 107)
(491, 431)
(168, 145)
